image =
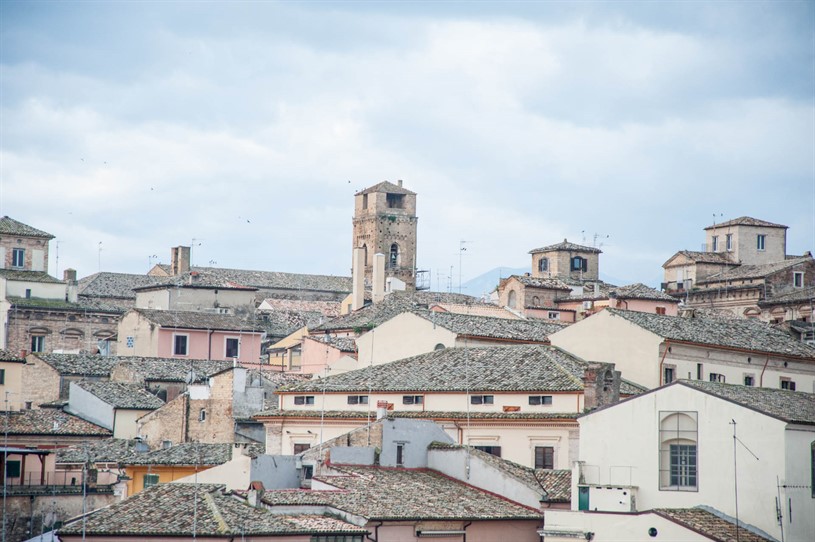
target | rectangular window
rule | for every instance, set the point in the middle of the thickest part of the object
(728, 242)
(715, 243)
(412, 399)
(357, 399)
(38, 343)
(544, 457)
(798, 279)
(232, 348)
(787, 384)
(699, 371)
(668, 376)
(12, 469)
(492, 450)
(130, 342)
(554, 316)
(760, 241)
(749, 380)
(18, 257)
(716, 377)
(540, 400)
(400, 455)
(308, 472)
(150, 480)
(683, 465)
(303, 399)
(180, 345)
(660, 310)
(482, 399)
(2, 376)
(28, 293)
(300, 447)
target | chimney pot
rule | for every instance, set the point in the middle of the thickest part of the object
(399, 182)
(69, 275)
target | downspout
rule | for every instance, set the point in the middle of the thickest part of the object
(209, 345)
(376, 533)
(464, 538)
(761, 379)
(662, 362)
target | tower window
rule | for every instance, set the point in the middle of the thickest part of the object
(543, 265)
(18, 257)
(715, 240)
(728, 242)
(580, 264)
(760, 241)
(395, 201)
(394, 255)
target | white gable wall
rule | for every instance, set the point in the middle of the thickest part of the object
(401, 337)
(606, 338)
(634, 459)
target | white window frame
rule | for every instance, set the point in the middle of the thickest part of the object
(728, 242)
(541, 400)
(683, 439)
(40, 339)
(226, 347)
(304, 400)
(714, 241)
(761, 242)
(482, 399)
(413, 400)
(186, 344)
(18, 258)
(798, 279)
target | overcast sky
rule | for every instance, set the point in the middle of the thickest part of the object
(249, 127)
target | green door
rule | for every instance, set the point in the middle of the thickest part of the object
(582, 498)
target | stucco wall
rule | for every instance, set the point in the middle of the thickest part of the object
(89, 407)
(400, 337)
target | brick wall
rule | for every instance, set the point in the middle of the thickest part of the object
(41, 382)
(63, 330)
(28, 244)
(165, 423)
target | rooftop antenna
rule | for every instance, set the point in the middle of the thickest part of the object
(735, 474)
(192, 247)
(602, 240)
(461, 250)
(150, 260)
(57, 259)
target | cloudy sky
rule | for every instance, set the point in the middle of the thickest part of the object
(249, 126)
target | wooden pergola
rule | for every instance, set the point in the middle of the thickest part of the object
(6, 451)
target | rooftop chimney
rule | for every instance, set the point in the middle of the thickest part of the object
(358, 279)
(601, 385)
(381, 409)
(399, 182)
(72, 292)
(179, 260)
(378, 290)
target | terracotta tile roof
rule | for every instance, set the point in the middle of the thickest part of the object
(110, 450)
(9, 226)
(789, 406)
(746, 334)
(343, 344)
(799, 295)
(203, 510)
(588, 290)
(704, 257)
(465, 325)
(422, 415)
(753, 271)
(5, 355)
(326, 308)
(566, 246)
(273, 279)
(188, 453)
(476, 309)
(283, 323)
(394, 304)
(50, 422)
(82, 364)
(745, 221)
(499, 368)
(385, 186)
(199, 320)
(171, 369)
(120, 395)
(640, 291)
(117, 285)
(540, 282)
(28, 276)
(714, 526)
(380, 494)
(87, 305)
(556, 484)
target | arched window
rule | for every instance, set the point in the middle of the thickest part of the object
(580, 264)
(678, 439)
(394, 256)
(439, 347)
(543, 265)
(512, 299)
(365, 255)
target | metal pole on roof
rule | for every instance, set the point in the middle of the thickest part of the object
(5, 463)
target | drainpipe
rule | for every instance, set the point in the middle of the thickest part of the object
(209, 345)
(376, 533)
(464, 538)
(761, 379)
(662, 362)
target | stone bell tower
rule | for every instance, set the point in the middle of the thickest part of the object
(385, 222)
